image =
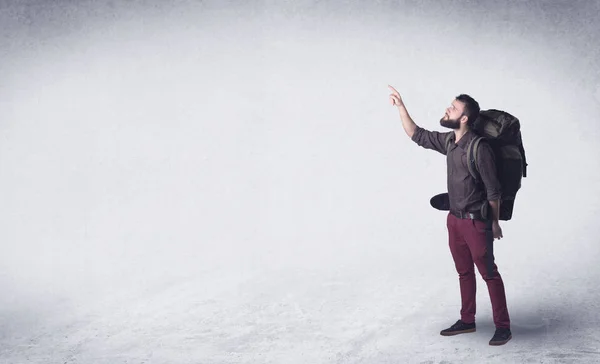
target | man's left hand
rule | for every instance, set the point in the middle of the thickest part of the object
(497, 230)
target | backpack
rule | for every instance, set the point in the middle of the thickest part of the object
(502, 131)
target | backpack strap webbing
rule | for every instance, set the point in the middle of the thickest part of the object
(472, 157)
(522, 150)
(448, 141)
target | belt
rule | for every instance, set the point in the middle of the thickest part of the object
(468, 215)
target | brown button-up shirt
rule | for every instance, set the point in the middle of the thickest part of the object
(464, 193)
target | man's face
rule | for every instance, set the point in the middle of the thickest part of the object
(453, 116)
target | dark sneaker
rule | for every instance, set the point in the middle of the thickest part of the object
(501, 336)
(458, 328)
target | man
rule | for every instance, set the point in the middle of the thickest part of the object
(471, 230)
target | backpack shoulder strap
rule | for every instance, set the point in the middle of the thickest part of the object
(448, 141)
(472, 156)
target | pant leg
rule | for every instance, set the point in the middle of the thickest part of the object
(464, 266)
(482, 255)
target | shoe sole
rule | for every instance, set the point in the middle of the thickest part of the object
(498, 343)
(452, 333)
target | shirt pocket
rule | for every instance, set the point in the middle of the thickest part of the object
(463, 161)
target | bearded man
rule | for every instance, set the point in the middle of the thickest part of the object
(469, 231)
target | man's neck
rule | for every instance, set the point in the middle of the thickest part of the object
(460, 133)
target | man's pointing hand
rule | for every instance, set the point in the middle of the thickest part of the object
(395, 98)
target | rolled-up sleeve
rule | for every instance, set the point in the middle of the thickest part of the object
(487, 169)
(430, 139)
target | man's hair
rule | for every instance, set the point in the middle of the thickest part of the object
(471, 109)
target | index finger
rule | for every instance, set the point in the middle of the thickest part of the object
(393, 89)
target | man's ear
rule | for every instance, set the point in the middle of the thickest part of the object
(464, 119)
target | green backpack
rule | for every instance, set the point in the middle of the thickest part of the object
(502, 131)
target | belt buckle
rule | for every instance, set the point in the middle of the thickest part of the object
(465, 215)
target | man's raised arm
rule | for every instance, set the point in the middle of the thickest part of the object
(433, 140)
(407, 122)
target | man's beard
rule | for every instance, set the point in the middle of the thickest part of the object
(449, 123)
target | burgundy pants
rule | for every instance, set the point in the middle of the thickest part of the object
(470, 246)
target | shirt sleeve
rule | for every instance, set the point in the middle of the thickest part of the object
(487, 170)
(433, 140)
